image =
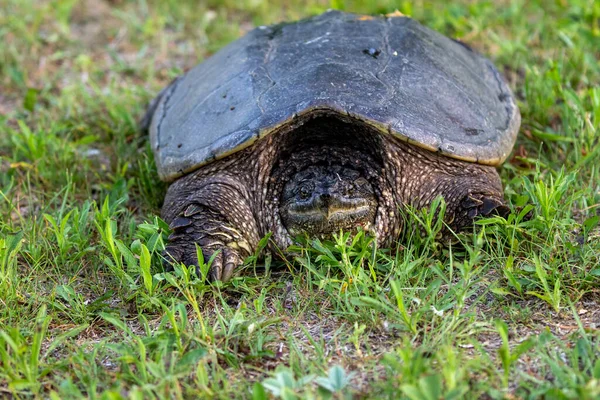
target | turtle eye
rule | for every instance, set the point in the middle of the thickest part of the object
(304, 191)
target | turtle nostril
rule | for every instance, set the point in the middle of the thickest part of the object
(324, 200)
(325, 197)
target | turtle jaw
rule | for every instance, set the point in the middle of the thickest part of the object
(326, 218)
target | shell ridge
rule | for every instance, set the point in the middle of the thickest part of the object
(265, 67)
(260, 96)
(391, 92)
(386, 45)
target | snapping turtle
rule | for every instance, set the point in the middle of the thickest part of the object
(329, 123)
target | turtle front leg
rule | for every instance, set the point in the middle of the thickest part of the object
(475, 191)
(477, 204)
(215, 217)
(212, 233)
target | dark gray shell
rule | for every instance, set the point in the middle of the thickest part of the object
(392, 73)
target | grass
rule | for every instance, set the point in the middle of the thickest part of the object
(86, 309)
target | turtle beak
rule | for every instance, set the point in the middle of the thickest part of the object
(329, 212)
(325, 205)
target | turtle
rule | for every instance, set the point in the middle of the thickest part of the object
(332, 123)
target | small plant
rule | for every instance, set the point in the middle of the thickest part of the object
(9, 250)
(548, 198)
(507, 355)
(417, 373)
(284, 385)
(551, 295)
(336, 380)
(430, 224)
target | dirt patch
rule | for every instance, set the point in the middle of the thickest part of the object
(93, 23)
(8, 104)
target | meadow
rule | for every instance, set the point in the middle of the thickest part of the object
(87, 310)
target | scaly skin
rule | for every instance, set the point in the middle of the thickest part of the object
(231, 203)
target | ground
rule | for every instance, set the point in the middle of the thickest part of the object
(511, 310)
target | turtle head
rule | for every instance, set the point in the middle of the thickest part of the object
(321, 200)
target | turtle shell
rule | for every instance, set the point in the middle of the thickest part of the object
(389, 72)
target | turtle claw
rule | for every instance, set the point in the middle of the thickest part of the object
(484, 206)
(232, 261)
(479, 205)
(224, 264)
(493, 206)
(222, 267)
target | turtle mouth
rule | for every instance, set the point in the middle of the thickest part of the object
(331, 213)
(324, 218)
